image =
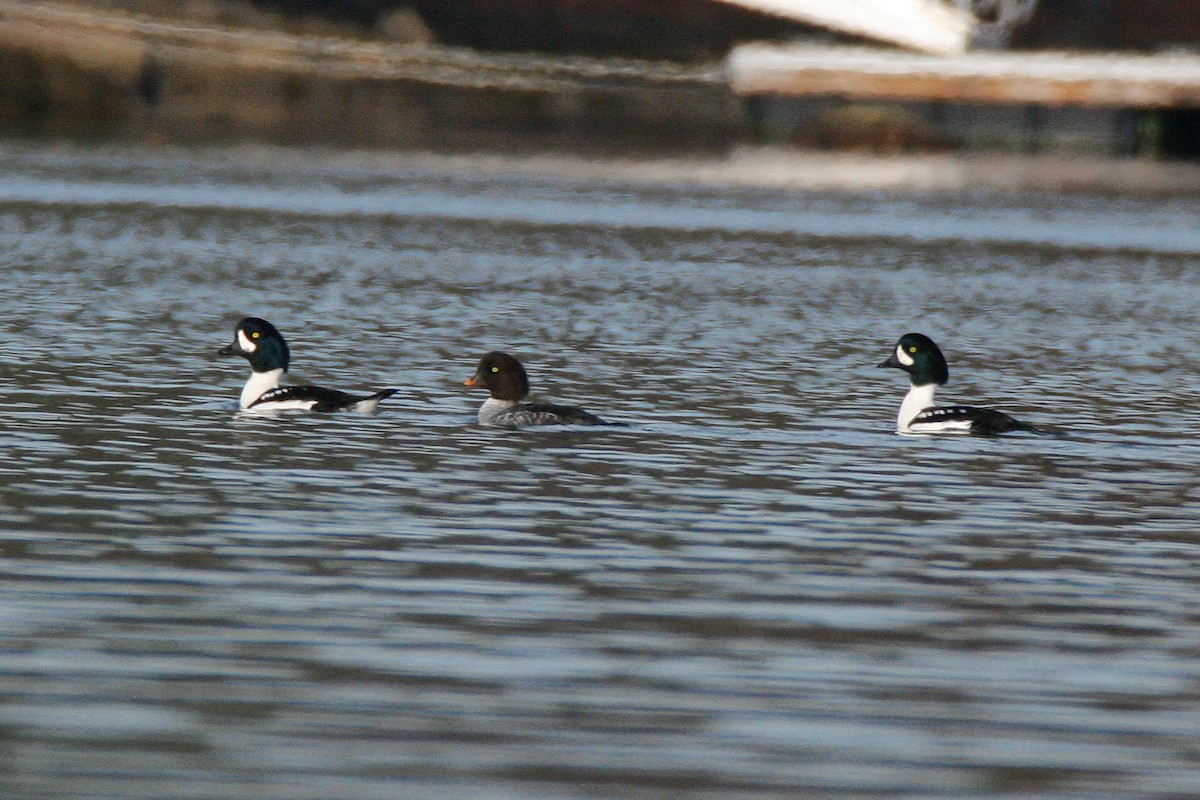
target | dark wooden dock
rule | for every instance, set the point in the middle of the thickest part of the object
(117, 44)
(87, 70)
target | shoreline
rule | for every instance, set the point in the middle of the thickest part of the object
(741, 167)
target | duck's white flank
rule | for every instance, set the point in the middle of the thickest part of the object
(917, 400)
(259, 383)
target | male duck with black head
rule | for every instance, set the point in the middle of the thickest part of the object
(917, 355)
(261, 344)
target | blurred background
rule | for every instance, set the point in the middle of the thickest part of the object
(1107, 77)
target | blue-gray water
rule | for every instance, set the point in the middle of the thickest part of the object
(754, 590)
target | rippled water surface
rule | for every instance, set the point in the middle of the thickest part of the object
(752, 590)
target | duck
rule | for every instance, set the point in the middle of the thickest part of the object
(917, 355)
(505, 377)
(264, 347)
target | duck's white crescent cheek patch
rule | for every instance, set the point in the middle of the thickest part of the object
(903, 357)
(245, 343)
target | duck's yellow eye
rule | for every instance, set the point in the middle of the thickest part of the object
(912, 348)
(255, 335)
(495, 369)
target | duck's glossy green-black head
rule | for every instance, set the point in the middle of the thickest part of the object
(258, 342)
(502, 374)
(917, 355)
